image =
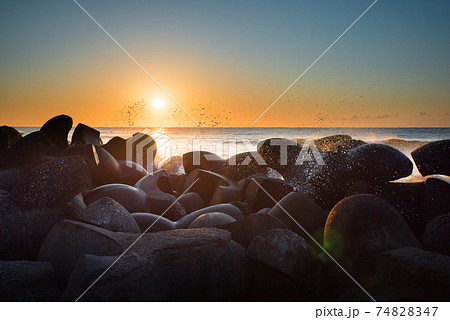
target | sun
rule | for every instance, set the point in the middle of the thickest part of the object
(158, 103)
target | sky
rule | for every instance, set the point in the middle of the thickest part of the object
(225, 62)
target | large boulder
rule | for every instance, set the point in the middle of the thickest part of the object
(84, 134)
(11, 134)
(203, 160)
(281, 155)
(191, 202)
(243, 165)
(226, 208)
(179, 265)
(108, 214)
(102, 166)
(436, 237)
(29, 150)
(51, 184)
(337, 143)
(261, 192)
(174, 166)
(408, 200)
(68, 240)
(117, 147)
(27, 281)
(303, 216)
(158, 188)
(358, 229)
(244, 230)
(272, 285)
(149, 222)
(210, 220)
(11, 177)
(433, 158)
(211, 186)
(130, 172)
(378, 163)
(437, 198)
(155, 181)
(287, 252)
(411, 274)
(57, 129)
(133, 199)
(36, 204)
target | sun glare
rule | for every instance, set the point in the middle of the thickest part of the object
(158, 103)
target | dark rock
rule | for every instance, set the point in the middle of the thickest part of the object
(4, 194)
(109, 214)
(156, 223)
(287, 252)
(257, 188)
(69, 240)
(244, 207)
(174, 166)
(57, 129)
(27, 281)
(207, 183)
(140, 146)
(9, 178)
(133, 199)
(357, 230)
(72, 209)
(102, 166)
(264, 211)
(160, 202)
(178, 182)
(158, 188)
(191, 202)
(271, 285)
(243, 165)
(437, 235)
(302, 211)
(281, 155)
(13, 136)
(88, 268)
(337, 143)
(203, 160)
(35, 205)
(51, 184)
(378, 163)
(84, 134)
(323, 185)
(411, 274)
(363, 187)
(117, 147)
(155, 181)
(408, 200)
(227, 193)
(130, 172)
(226, 208)
(210, 220)
(29, 150)
(243, 231)
(433, 158)
(179, 265)
(437, 198)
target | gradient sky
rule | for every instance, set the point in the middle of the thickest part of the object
(226, 62)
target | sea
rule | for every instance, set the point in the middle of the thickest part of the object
(226, 142)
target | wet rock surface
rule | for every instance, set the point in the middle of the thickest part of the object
(27, 281)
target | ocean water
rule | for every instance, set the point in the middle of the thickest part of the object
(228, 141)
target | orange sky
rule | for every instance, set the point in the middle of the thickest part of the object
(225, 70)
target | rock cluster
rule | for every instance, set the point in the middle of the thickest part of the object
(276, 224)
